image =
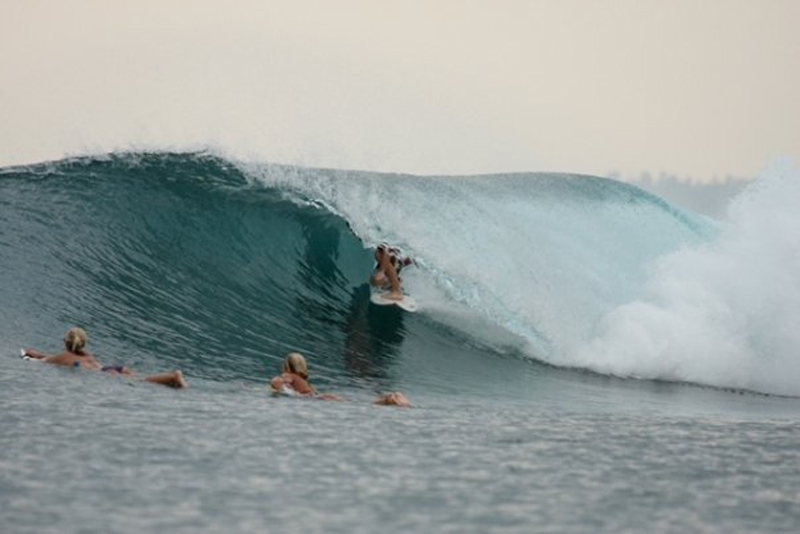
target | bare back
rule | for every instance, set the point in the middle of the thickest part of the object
(69, 359)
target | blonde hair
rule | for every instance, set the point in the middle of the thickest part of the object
(75, 340)
(295, 363)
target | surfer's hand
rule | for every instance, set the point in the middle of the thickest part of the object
(276, 383)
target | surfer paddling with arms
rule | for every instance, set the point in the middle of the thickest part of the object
(294, 379)
(75, 355)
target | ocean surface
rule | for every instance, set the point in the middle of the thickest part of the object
(586, 357)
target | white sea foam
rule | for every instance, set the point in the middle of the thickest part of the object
(725, 313)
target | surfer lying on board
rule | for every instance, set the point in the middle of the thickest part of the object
(294, 378)
(75, 355)
(388, 264)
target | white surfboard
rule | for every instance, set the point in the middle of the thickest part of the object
(407, 303)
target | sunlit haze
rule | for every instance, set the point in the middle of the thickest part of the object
(695, 89)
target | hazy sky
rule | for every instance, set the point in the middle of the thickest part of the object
(698, 88)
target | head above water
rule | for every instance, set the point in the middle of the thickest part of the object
(296, 363)
(75, 340)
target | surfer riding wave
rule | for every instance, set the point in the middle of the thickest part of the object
(386, 275)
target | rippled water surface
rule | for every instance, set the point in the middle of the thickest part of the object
(89, 453)
(534, 291)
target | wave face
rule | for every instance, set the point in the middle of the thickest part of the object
(197, 261)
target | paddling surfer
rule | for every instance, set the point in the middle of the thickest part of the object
(294, 378)
(75, 355)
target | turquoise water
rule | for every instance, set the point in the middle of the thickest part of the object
(528, 414)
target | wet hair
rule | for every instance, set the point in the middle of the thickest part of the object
(296, 363)
(75, 340)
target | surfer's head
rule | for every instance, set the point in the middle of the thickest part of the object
(75, 340)
(295, 363)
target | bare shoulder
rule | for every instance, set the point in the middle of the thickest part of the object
(67, 358)
(300, 384)
(60, 359)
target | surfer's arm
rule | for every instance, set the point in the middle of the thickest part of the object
(302, 386)
(284, 380)
(311, 389)
(35, 354)
(276, 383)
(58, 360)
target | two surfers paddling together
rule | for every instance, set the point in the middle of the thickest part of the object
(293, 379)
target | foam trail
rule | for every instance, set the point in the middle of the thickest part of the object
(726, 313)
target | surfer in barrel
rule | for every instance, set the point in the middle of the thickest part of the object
(386, 275)
(75, 355)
